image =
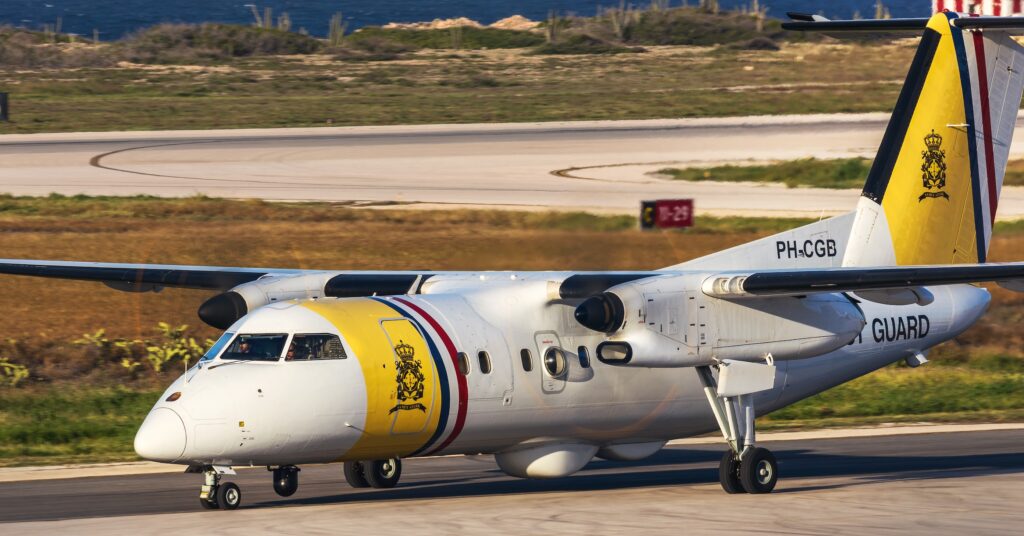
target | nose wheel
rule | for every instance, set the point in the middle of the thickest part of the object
(215, 494)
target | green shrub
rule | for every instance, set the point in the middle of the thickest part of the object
(584, 44)
(11, 374)
(372, 48)
(757, 43)
(466, 37)
(30, 50)
(833, 173)
(181, 43)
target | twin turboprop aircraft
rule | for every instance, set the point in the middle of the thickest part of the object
(546, 370)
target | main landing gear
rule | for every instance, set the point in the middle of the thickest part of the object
(374, 473)
(216, 494)
(745, 467)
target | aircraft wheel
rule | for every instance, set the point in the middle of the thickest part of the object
(286, 480)
(209, 504)
(758, 471)
(355, 476)
(383, 473)
(729, 473)
(229, 496)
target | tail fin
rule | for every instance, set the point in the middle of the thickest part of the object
(932, 192)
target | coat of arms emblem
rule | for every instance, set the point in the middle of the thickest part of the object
(410, 379)
(933, 168)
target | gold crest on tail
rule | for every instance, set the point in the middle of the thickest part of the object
(933, 168)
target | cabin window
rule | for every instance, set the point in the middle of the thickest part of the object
(463, 363)
(584, 355)
(307, 347)
(253, 347)
(485, 362)
(218, 346)
(527, 359)
(554, 362)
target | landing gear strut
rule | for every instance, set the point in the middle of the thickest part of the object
(286, 480)
(214, 494)
(745, 467)
(374, 473)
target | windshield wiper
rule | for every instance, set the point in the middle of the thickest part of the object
(237, 361)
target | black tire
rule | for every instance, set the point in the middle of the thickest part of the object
(729, 474)
(286, 480)
(758, 471)
(229, 496)
(383, 473)
(209, 504)
(354, 475)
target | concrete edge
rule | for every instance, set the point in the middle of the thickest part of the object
(878, 431)
(55, 472)
(455, 128)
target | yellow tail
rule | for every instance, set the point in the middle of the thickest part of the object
(932, 192)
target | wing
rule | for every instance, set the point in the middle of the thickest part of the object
(149, 277)
(142, 277)
(867, 282)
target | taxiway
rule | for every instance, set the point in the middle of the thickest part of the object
(597, 166)
(940, 483)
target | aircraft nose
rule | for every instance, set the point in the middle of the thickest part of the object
(161, 438)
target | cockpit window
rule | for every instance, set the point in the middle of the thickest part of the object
(256, 347)
(217, 346)
(315, 346)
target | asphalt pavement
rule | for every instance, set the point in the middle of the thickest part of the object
(597, 166)
(946, 483)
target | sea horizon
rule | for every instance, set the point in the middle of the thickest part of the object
(114, 19)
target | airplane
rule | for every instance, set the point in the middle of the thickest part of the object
(546, 370)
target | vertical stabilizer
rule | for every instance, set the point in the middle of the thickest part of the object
(933, 189)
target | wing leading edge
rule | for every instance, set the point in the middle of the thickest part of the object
(801, 282)
(141, 277)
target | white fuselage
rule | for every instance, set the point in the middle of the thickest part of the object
(290, 412)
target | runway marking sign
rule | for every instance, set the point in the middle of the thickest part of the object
(666, 213)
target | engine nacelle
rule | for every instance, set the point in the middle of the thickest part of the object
(669, 322)
(785, 327)
(226, 308)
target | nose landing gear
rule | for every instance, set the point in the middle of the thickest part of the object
(286, 480)
(214, 494)
(745, 468)
(374, 473)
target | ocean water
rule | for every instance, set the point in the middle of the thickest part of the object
(115, 18)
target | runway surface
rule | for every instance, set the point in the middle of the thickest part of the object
(599, 166)
(950, 483)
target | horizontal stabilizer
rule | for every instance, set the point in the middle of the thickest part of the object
(836, 28)
(802, 282)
